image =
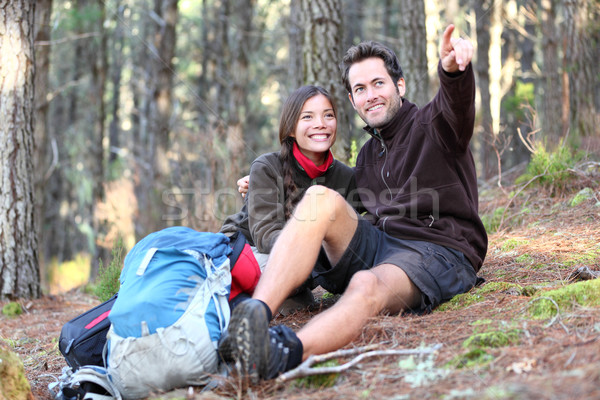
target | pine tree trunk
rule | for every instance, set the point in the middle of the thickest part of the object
(152, 170)
(482, 68)
(116, 74)
(552, 119)
(581, 59)
(42, 159)
(413, 51)
(19, 269)
(322, 52)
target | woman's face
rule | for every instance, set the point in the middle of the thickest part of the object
(316, 128)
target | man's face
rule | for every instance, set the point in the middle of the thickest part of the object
(374, 95)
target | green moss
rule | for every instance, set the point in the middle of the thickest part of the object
(589, 257)
(319, 381)
(461, 301)
(479, 322)
(582, 196)
(12, 309)
(586, 294)
(472, 358)
(530, 290)
(496, 287)
(492, 339)
(512, 243)
(13, 383)
(524, 259)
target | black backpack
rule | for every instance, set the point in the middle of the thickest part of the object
(82, 339)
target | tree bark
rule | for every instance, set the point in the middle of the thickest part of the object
(581, 61)
(152, 170)
(42, 153)
(116, 74)
(19, 269)
(413, 51)
(482, 68)
(322, 53)
(552, 100)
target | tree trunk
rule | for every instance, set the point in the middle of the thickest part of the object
(42, 153)
(526, 44)
(98, 88)
(322, 53)
(117, 70)
(161, 108)
(482, 68)
(552, 120)
(581, 59)
(19, 269)
(152, 170)
(295, 35)
(242, 44)
(413, 51)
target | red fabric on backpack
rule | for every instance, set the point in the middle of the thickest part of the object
(245, 273)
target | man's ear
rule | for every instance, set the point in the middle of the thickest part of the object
(351, 100)
(401, 86)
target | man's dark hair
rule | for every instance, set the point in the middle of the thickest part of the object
(370, 49)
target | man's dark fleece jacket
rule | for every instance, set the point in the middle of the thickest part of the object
(417, 176)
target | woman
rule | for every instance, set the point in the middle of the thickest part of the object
(307, 130)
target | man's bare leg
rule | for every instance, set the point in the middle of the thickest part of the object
(322, 217)
(385, 288)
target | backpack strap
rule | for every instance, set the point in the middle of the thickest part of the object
(237, 242)
(89, 382)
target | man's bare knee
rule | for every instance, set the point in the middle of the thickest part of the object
(363, 286)
(386, 288)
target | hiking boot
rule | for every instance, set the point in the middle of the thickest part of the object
(285, 351)
(258, 352)
(246, 342)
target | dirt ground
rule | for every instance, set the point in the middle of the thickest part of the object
(542, 240)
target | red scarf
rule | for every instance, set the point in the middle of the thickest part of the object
(309, 166)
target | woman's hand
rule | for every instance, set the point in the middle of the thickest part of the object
(243, 184)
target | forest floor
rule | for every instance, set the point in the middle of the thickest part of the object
(492, 344)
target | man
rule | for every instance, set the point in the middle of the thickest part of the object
(420, 242)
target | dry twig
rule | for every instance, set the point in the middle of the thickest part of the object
(305, 369)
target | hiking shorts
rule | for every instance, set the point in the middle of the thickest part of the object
(439, 272)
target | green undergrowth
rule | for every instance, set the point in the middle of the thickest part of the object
(12, 309)
(319, 381)
(492, 339)
(582, 196)
(477, 346)
(108, 282)
(547, 303)
(551, 169)
(13, 382)
(479, 294)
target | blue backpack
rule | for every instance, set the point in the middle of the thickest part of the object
(170, 312)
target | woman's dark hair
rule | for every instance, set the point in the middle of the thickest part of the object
(370, 49)
(290, 114)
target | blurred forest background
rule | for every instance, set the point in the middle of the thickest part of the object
(121, 117)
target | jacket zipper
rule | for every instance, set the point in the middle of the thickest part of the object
(384, 151)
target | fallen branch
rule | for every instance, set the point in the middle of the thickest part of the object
(305, 369)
